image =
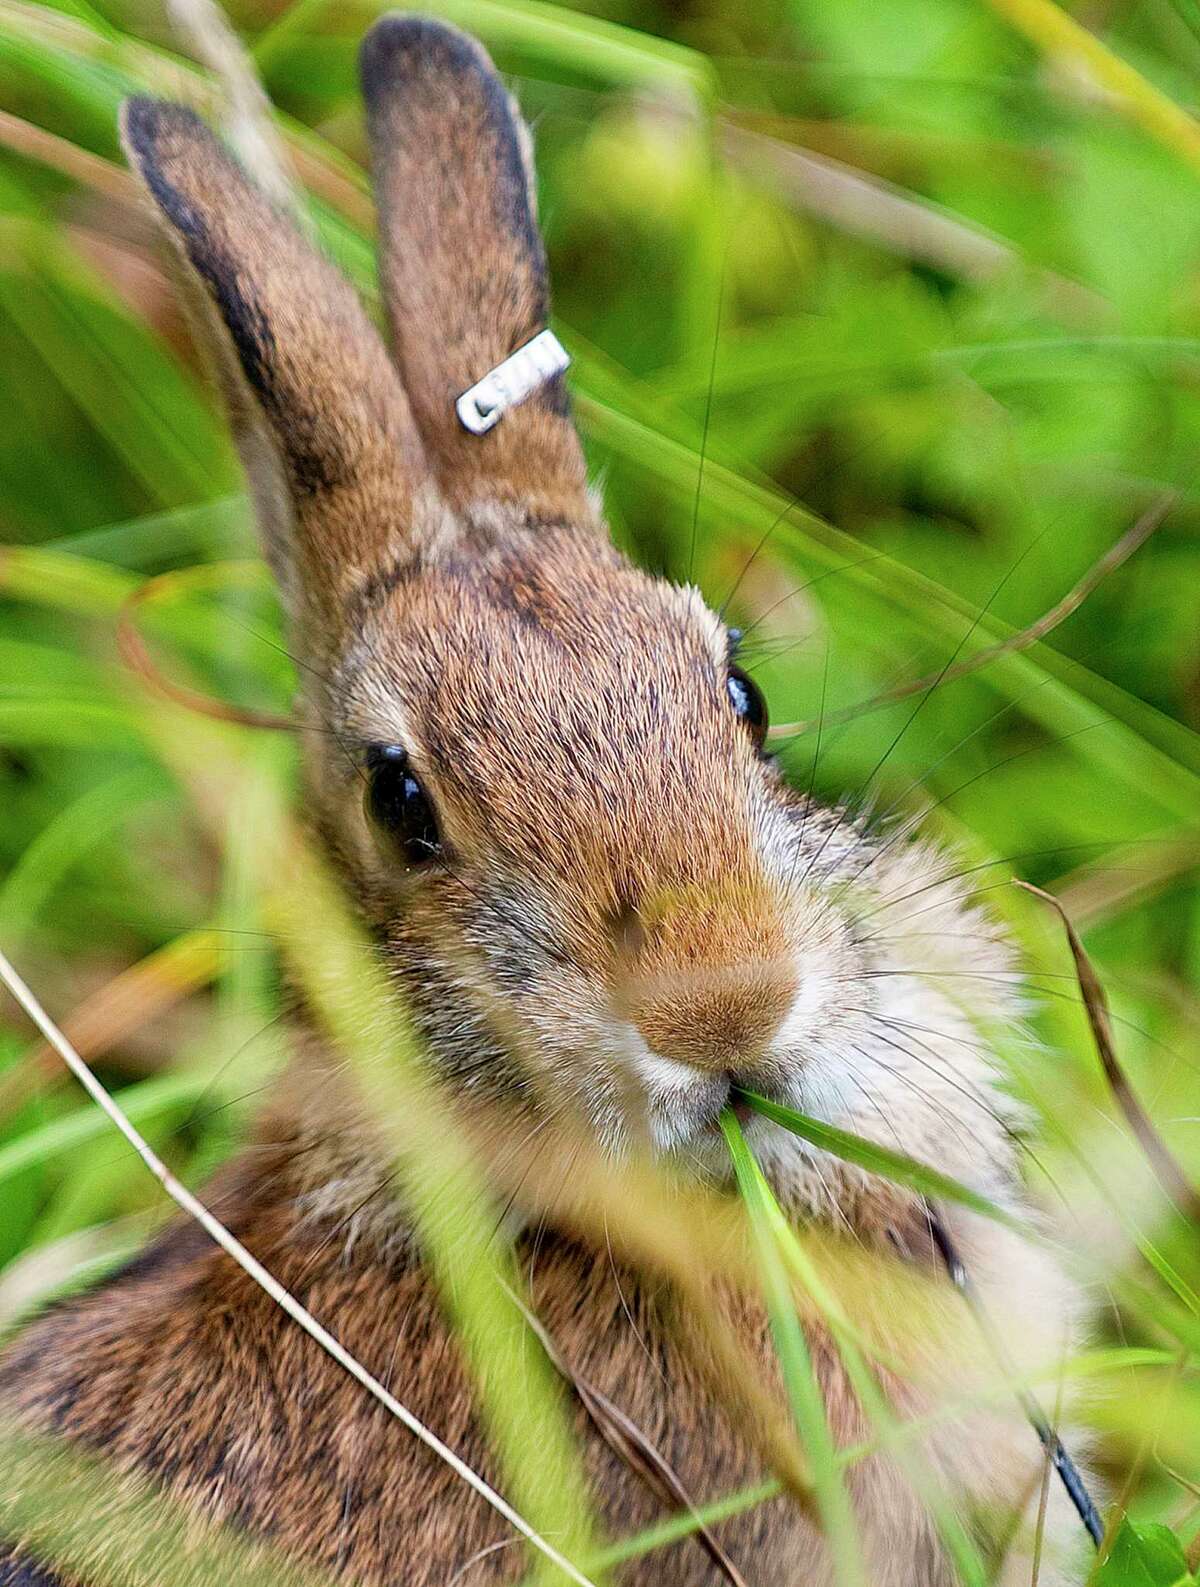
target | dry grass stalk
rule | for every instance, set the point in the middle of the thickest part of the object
(195, 1209)
(136, 656)
(630, 1444)
(1167, 1171)
(130, 1001)
(89, 170)
(870, 207)
(249, 123)
(1112, 559)
(1126, 877)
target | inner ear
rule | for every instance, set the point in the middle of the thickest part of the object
(462, 262)
(317, 408)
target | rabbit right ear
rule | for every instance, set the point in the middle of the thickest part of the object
(464, 271)
(318, 412)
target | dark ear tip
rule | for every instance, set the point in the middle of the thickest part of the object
(146, 124)
(402, 49)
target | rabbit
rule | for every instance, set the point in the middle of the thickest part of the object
(540, 776)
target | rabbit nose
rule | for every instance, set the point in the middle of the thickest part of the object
(705, 970)
(715, 1019)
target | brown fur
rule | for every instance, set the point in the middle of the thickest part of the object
(182, 1367)
(628, 908)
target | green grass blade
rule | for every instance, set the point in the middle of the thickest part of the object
(808, 1406)
(896, 1166)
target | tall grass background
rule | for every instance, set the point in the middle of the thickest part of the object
(885, 321)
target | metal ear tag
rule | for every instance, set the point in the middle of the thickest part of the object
(518, 377)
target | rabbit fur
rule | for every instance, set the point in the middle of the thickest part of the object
(628, 908)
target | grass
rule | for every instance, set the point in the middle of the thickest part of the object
(885, 323)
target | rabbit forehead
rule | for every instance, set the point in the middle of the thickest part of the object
(550, 691)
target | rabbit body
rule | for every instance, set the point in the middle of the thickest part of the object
(604, 905)
(181, 1367)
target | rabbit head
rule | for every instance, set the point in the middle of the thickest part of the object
(539, 768)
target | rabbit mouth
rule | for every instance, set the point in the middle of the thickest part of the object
(683, 1104)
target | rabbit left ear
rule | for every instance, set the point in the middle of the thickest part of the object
(319, 415)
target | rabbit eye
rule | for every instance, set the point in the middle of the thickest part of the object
(747, 700)
(397, 804)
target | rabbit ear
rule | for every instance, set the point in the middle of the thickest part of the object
(318, 411)
(463, 267)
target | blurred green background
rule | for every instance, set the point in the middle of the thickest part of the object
(886, 326)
